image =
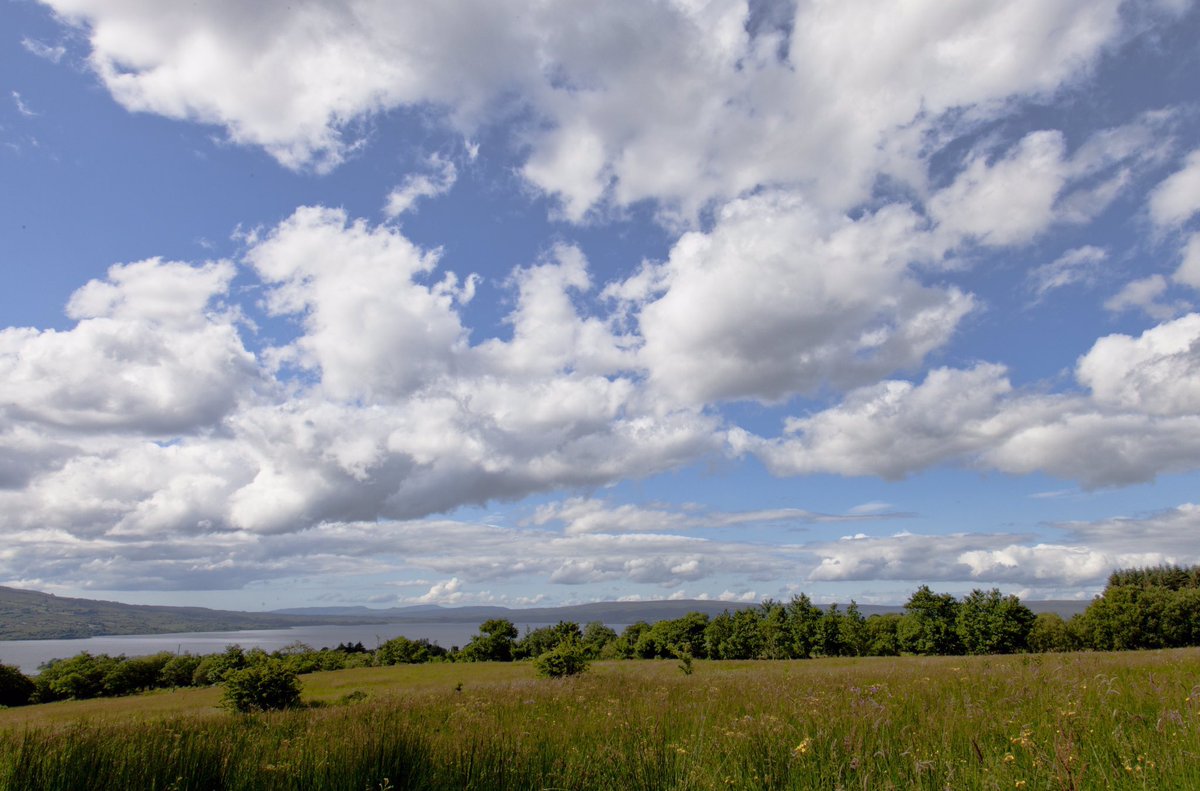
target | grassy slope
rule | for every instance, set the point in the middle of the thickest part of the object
(1083, 721)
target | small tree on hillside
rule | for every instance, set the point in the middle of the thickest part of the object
(265, 686)
(495, 642)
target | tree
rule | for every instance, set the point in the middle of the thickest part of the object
(665, 638)
(179, 671)
(854, 638)
(545, 638)
(80, 677)
(566, 659)
(1050, 633)
(16, 689)
(829, 633)
(597, 637)
(265, 686)
(803, 623)
(402, 651)
(776, 642)
(988, 623)
(929, 623)
(494, 643)
(626, 644)
(882, 639)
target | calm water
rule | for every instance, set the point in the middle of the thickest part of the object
(29, 654)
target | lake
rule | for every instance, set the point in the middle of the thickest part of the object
(30, 654)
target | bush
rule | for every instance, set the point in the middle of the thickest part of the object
(15, 687)
(265, 686)
(568, 658)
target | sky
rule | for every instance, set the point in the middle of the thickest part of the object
(367, 302)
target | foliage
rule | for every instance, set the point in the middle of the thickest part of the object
(1050, 633)
(664, 638)
(989, 623)
(265, 686)
(1156, 607)
(538, 641)
(566, 659)
(16, 689)
(403, 651)
(929, 625)
(494, 643)
(597, 638)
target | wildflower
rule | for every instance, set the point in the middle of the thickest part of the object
(804, 747)
(1019, 784)
(1009, 758)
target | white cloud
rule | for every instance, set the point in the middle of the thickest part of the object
(1188, 272)
(146, 355)
(22, 107)
(1090, 551)
(580, 515)
(1177, 198)
(1000, 199)
(51, 53)
(445, 592)
(1157, 373)
(892, 428)
(1078, 265)
(676, 102)
(421, 185)
(974, 417)
(1008, 201)
(1146, 295)
(779, 299)
(370, 330)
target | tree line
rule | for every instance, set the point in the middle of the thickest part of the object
(1156, 607)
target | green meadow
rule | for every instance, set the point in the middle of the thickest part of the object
(1067, 721)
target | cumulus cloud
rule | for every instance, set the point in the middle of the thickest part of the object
(1008, 201)
(1175, 200)
(1147, 295)
(152, 352)
(150, 418)
(679, 102)
(371, 330)
(780, 298)
(1084, 556)
(1157, 373)
(1010, 197)
(438, 181)
(147, 443)
(1139, 421)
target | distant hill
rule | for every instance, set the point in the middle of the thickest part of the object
(32, 615)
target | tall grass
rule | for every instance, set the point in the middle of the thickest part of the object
(1082, 721)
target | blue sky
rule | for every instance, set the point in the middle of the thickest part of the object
(493, 302)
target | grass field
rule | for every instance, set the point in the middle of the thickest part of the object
(1076, 721)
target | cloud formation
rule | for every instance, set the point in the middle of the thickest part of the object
(837, 190)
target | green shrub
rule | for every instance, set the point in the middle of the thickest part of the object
(15, 687)
(568, 658)
(265, 686)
